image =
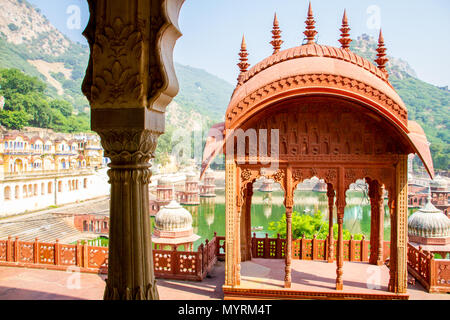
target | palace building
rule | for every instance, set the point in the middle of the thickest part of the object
(40, 168)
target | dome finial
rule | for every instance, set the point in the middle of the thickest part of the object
(243, 64)
(276, 42)
(310, 31)
(345, 36)
(381, 56)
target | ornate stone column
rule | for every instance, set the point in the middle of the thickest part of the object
(129, 82)
(230, 222)
(330, 195)
(246, 226)
(340, 204)
(398, 282)
(377, 223)
(289, 204)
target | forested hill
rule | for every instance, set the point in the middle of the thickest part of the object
(427, 104)
(31, 44)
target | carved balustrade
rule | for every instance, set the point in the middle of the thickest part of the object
(181, 265)
(433, 274)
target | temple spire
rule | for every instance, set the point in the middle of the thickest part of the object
(276, 32)
(345, 35)
(243, 60)
(381, 56)
(310, 31)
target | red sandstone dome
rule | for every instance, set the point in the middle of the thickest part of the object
(319, 70)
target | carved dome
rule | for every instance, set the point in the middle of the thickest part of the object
(173, 217)
(314, 68)
(429, 222)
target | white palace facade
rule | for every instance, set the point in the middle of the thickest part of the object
(40, 168)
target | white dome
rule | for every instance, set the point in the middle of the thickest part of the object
(429, 222)
(173, 217)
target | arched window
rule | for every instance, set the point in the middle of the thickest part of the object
(60, 186)
(35, 189)
(16, 192)
(42, 188)
(85, 225)
(24, 192)
(7, 193)
(85, 183)
(49, 188)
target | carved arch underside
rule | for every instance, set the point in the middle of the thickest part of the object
(318, 136)
(323, 129)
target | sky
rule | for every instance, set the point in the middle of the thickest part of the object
(415, 30)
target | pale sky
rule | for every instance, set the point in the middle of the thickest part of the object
(414, 30)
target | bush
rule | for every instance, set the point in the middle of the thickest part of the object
(304, 224)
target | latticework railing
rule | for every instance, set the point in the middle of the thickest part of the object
(312, 249)
(433, 274)
(181, 265)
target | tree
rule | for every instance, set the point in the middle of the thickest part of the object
(65, 107)
(308, 225)
(14, 119)
(14, 80)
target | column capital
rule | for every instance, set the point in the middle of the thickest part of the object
(130, 148)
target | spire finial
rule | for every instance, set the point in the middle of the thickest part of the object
(381, 56)
(276, 32)
(345, 35)
(310, 32)
(243, 60)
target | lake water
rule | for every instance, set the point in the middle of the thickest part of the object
(209, 216)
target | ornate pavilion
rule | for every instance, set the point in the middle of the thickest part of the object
(324, 112)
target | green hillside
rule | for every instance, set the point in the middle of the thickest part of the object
(50, 56)
(202, 92)
(427, 104)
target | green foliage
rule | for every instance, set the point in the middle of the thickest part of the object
(63, 106)
(14, 119)
(202, 92)
(308, 225)
(430, 107)
(27, 105)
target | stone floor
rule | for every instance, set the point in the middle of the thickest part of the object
(36, 284)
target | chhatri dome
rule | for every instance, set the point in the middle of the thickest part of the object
(316, 69)
(429, 225)
(173, 226)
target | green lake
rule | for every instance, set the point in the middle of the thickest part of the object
(209, 216)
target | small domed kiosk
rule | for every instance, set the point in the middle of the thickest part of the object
(429, 228)
(173, 227)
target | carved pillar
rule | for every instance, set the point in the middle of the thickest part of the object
(289, 204)
(399, 229)
(340, 204)
(380, 260)
(129, 81)
(246, 227)
(230, 212)
(377, 223)
(330, 195)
